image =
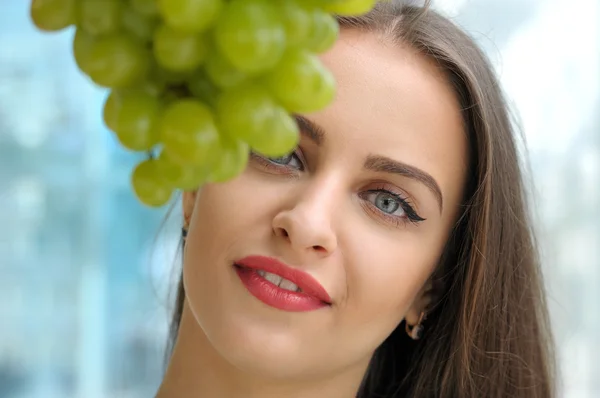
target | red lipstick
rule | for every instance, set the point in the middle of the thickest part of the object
(309, 296)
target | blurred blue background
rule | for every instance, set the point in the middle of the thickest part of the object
(86, 272)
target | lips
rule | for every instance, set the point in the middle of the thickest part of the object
(281, 286)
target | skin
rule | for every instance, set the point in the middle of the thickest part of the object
(312, 212)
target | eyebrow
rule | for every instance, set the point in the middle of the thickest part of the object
(382, 164)
(376, 163)
(311, 130)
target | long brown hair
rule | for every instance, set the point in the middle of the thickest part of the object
(489, 334)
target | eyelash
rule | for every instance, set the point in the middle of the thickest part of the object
(269, 164)
(410, 215)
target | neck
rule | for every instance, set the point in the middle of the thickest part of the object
(196, 370)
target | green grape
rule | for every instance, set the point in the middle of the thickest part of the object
(114, 61)
(133, 115)
(147, 8)
(251, 34)
(172, 95)
(165, 77)
(189, 133)
(100, 17)
(179, 51)
(155, 84)
(203, 88)
(297, 21)
(140, 25)
(350, 7)
(82, 45)
(221, 72)
(190, 15)
(148, 186)
(281, 135)
(301, 82)
(53, 15)
(323, 33)
(179, 176)
(231, 162)
(249, 113)
(151, 88)
(319, 3)
(110, 110)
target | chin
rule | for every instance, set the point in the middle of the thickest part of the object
(261, 348)
(259, 340)
(253, 337)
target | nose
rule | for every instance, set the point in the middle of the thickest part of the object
(306, 224)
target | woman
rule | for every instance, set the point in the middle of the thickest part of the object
(390, 255)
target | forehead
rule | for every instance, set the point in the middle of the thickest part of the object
(395, 102)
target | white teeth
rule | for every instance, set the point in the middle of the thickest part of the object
(279, 281)
(287, 285)
(274, 279)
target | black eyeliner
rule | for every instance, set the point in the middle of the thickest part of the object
(411, 214)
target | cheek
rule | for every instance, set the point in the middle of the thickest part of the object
(220, 212)
(222, 216)
(225, 226)
(385, 276)
(219, 222)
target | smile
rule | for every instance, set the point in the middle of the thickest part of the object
(279, 281)
(281, 286)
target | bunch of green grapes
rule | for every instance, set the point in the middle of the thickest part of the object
(198, 84)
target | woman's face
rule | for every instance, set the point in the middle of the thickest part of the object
(364, 206)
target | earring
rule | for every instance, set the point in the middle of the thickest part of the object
(415, 332)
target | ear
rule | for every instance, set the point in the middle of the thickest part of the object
(188, 202)
(425, 299)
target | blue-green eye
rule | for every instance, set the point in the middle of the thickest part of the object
(391, 205)
(386, 202)
(292, 160)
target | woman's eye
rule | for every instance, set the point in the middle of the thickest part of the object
(292, 160)
(386, 202)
